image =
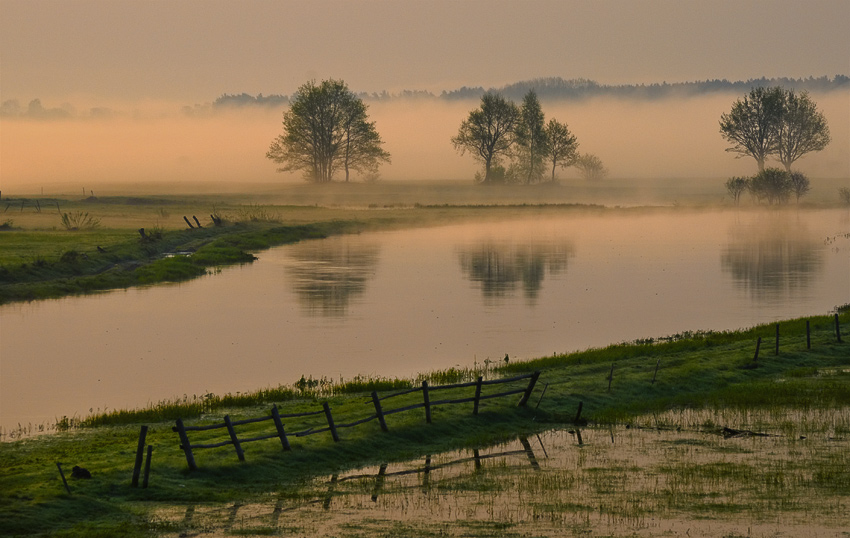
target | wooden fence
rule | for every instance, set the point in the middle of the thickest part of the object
(380, 414)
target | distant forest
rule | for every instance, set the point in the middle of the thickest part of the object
(554, 88)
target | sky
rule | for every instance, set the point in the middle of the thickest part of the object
(157, 56)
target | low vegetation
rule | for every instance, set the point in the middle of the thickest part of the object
(668, 379)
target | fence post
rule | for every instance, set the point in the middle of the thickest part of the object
(657, 364)
(62, 474)
(140, 451)
(578, 413)
(808, 336)
(427, 402)
(477, 394)
(380, 412)
(330, 418)
(233, 438)
(529, 389)
(280, 431)
(758, 345)
(610, 377)
(837, 329)
(777, 340)
(184, 444)
(147, 467)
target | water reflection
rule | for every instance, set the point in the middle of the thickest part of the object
(772, 256)
(500, 267)
(327, 275)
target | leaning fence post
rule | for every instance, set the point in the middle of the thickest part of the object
(62, 474)
(184, 444)
(280, 431)
(610, 377)
(837, 329)
(379, 411)
(758, 345)
(330, 418)
(657, 364)
(578, 413)
(529, 389)
(140, 451)
(427, 402)
(477, 394)
(233, 438)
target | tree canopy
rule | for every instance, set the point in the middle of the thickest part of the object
(561, 145)
(530, 139)
(326, 128)
(489, 132)
(774, 122)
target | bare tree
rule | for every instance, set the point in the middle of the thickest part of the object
(488, 132)
(561, 145)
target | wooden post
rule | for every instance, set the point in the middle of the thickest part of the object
(184, 444)
(147, 467)
(477, 456)
(426, 474)
(197, 221)
(837, 329)
(330, 418)
(610, 377)
(280, 431)
(187, 222)
(63, 478)
(233, 438)
(379, 482)
(808, 336)
(657, 364)
(427, 402)
(379, 411)
(477, 395)
(529, 389)
(777, 340)
(140, 452)
(758, 345)
(578, 413)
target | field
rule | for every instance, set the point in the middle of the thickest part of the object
(688, 434)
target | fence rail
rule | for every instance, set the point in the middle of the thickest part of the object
(380, 414)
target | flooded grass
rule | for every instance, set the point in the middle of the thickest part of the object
(617, 481)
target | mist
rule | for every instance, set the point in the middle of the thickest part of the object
(159, 143)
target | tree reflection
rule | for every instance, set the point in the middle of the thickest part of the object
(328, 274)
(773, 257)
(500, 268)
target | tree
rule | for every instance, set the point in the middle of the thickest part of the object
(800, 184)
(530, 139)
(590, 166)
(561, 145)
(736, 186)
(801, 129)
(752, 124)
(326, 127)
(488, 132)
(773, 185)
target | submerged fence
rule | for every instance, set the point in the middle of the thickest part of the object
(380, 414)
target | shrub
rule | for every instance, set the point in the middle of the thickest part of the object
(80, 220)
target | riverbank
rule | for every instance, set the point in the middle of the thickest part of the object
(615, 385)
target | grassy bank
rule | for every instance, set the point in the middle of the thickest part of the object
(703, 371)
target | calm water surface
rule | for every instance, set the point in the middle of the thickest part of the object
(402, 302)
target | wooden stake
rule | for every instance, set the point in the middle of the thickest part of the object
(758, 345)
(239, 453)
(379, 411)
(184, 444)
(147, 467)
(331, 424)
(610, 377)
(837, 329)
(808, 336)
(477, 395)
(427, 402)
(63, 478)
(140, 452)
(657, 364)
(578, 413)
(280, 431)
(529, 389)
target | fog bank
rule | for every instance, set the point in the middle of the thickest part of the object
(670, 138)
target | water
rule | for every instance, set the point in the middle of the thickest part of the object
(402, 302)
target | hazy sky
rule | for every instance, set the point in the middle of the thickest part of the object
(195, 50)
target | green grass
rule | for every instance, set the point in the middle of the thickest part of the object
(700, 372)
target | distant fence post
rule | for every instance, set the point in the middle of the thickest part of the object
(837, 329)
(477, 394)
(232, 432)
(379, 411)
(140, 451)
(331, 424)
(427, 402)
(529, 389)
(808, 335)
(280, 431)
(758, 345)
(657, 364)
(184, 444)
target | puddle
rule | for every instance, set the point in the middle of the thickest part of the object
(609, 481)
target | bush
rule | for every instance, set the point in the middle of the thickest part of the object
(773, 185)
(80, 220)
